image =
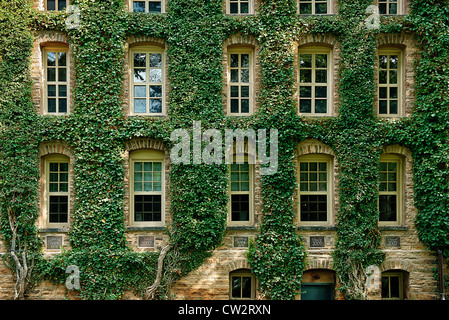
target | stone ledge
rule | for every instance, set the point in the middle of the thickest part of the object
(316, 228)
(145, 228)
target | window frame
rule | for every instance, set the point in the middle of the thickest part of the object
(146, 155)
(147, 49)
(329, 84)
(251, 6)
(240, 51)
(400, 276)
(239, 273)
(399, 189)
(329, 193)
(147, 6)
(389, 51)
(313, 2)
(56, 5)
(55, 158)
(250, 194)
(400, 7)
(57, 49)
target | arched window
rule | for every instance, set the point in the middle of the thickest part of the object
(147, 188)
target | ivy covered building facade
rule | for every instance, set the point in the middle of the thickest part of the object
(92, 91)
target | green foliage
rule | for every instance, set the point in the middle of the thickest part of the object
(195, 31)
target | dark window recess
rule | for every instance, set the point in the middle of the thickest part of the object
(387, 208)
(240, 207)
(241, 287)
(147, 208)
(313, 208)
(58, 212)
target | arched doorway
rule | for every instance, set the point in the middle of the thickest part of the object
(318, 284)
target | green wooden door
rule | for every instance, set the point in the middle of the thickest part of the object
(317, 291)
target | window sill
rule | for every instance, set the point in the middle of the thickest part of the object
(53, 230)
(316, 228)
(393, 228)
(160, 228)
(244, 228)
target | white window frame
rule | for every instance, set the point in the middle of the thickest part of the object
(250, 194)
(400, 7)
(146, 155)
(56, 5)
(329, 84)
(55, 158)
(329, 188)
(399, 193)
(56, 49)
(147, 49)
(313, 2)
(147, 5)
(250, 7)
(389, 52)
(250, 84)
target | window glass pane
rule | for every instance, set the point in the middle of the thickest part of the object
(245, 60)
(240, 207)
(394, 62)
(140, 75)
(61, 5)
(382, 8)
(383, 92)
(62, 74)
(305, 61)
(140, 59)
(51, 59)
(62, 105)
(385, 287)
(62, 59)
(393, 107)
(51, 4)
(139, 6)
(138, 176)
(387, 208)
(147, 208)
(245, 76)
(245, 105)
(51, 105)
(140, 91)
(383, 109)
(305, 92)
(155, 106)
(383, 62)
(155, 75)
(244, 91)
(383, 76)
(393, 8)
(393, 77)
(305, 105)
(321, 76)
(156, 91)
(155, 60)
(234, 75)
(246, 287)
(321, 8)
(320, 92)
(234, 105)
(62, 90)
(140, 105)
(58, 209)
(234, 60)
(63, 187)
(305, 8)
(51, 74)
(321, 106)
(236, 287)
(64, 167)
(394, 287)
(305, 76)
(235, 91)
(244, 7)
(234, 8)
(321, 60)
(155, 7)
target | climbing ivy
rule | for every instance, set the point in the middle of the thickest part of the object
(195, 31)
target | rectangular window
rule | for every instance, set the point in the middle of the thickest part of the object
(242, 285)
(239, 6)
(389, 189)
(314, 82)
(241, 194)
(56, 81)
(392, 286)
(57, 177)
(240, 80)
(148, 81)
(313, 7)
(314, 189)
(55, 5)
(148, 6)
(389, 83)
(389, 6)
(147, 184)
